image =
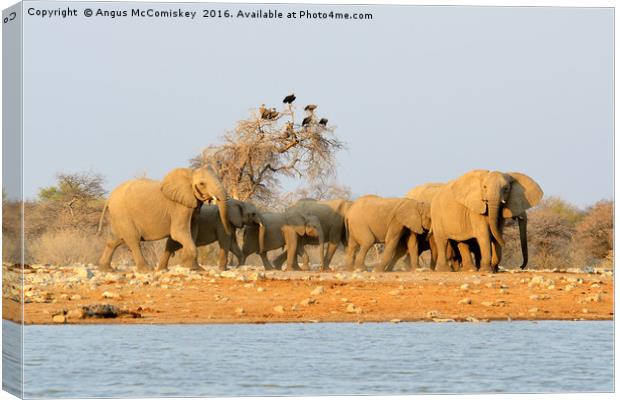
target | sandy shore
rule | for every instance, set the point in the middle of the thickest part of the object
(251, 295)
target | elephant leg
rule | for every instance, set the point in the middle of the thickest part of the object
(222, 259)
(171, 248)
(266, 262)
(361, 256)
(485, 253)
(279, 260)
(433, 246)
(225, 242)
(351, 247)
(305, 258)
(234, 247)
(393, 239)
(389, 253)
(184, 237)
(331, 250)
(467, 264)
(442, 262)
(291, 259)
(400, 251)
(412, 247)
(106, 258)
(496, 255)
(134, 245)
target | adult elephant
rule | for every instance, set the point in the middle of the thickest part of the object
(331, 214)
(475, 206)
(146, 209)
(280, 230)
(426, 193)
(373, 219)
(211, 229)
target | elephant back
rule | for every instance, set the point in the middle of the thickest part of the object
(425, 192)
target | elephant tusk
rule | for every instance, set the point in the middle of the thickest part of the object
(214, 199)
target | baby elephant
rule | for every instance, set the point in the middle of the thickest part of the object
(288, 229)
(210, 229)
(373, 219)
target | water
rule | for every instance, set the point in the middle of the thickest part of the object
(316, 359)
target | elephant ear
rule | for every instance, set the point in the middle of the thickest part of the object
(467, 190)
(425, 212)
(235, 210)
(177, 186)
(408, 214)
(297, 222)
(524, 193)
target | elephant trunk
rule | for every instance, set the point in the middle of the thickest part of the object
(258, 219)
(261, 238)
(222, 205)
(494, 216)
(321, 249)
(523, 236)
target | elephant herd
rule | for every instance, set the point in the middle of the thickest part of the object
(460, 222)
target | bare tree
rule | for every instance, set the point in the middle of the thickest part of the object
(267, 146)
(73, 202)
(319, 190)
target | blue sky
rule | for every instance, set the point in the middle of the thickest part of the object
(420, 94)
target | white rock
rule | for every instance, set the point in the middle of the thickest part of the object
(308, 301)
(84, 273)
(352, 308)
(59, 319)
(317, 291)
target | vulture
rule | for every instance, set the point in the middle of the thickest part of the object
(264, 113)
(310, 107)
(289, 129)
(273, 114)
(306, 121)
(323, 121)
(289, 99)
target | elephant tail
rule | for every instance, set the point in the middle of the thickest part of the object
(105, 207)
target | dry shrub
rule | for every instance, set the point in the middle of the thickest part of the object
(549, 235)
(562, 236)
(594, 236)
(64, 247)
(511, 252)
(11, 231)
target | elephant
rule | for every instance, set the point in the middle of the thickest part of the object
(331, 214)
(210, 229)
(475, 206)
(146, 209)
(426, 193)
(281, 230)
(373, 219)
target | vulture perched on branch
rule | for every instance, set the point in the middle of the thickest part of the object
(323, 121)
(306, 121)
(289, 99)
(310, 107)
